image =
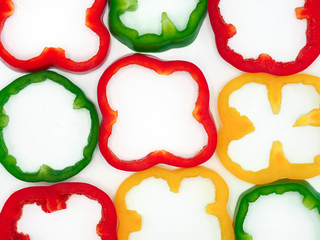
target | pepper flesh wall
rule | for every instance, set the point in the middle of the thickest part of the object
(170, 36)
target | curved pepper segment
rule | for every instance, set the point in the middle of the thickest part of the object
(264, 63)
(170, 36)
(46, 173)
(51, 56)
(53, 198)
(200, 113)
(310, 200)
(131, 221)
(237, 126)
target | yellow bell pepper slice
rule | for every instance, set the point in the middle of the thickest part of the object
(130, 221)
(236, 126)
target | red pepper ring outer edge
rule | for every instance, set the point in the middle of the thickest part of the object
(52, 56)
(53, 198)
(201, 113)
(264, 63)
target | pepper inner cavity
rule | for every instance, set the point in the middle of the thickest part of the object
(53, 24)
(77, 222)
(147, 17)
(44, 128)
(267, 26)
(169, 215)
(300, 144)
(281, 217)
(154, 113)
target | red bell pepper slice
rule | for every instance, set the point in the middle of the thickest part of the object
(53, 198)
(201, 113)
(51, 56)
(264, 63)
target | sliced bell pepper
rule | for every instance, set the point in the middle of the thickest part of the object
(52, 56)
(201, 114)
(130, 221)
(170, 36)
(264, 63)
(46, 173)
(236, 126)
(310, 200)
(54, 198)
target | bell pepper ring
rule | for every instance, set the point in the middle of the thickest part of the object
(46, 173)
(52, 56)
(200, 113)
(131, 221)
(170, 36)
(264, 63)
(310, 200)
(235, 126)
(53, 198)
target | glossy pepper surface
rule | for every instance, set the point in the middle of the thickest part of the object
(264, 63)
(200, 113)
(53, 198)
(130, 221)
(53, 56)
(170, 36)
(236, 126)
(311, 200)
(46, 173)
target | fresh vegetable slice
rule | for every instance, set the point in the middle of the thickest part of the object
(170, 36)
(200, 113)
(55, 56)
(239, 125)
(53, 198)
(47, 173)
(131, 221)
(264, 63)
(309, 199)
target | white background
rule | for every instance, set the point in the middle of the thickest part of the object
(201, 52)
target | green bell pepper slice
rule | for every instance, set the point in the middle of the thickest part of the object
(46, 173)
(311, 200)
(170, 36)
